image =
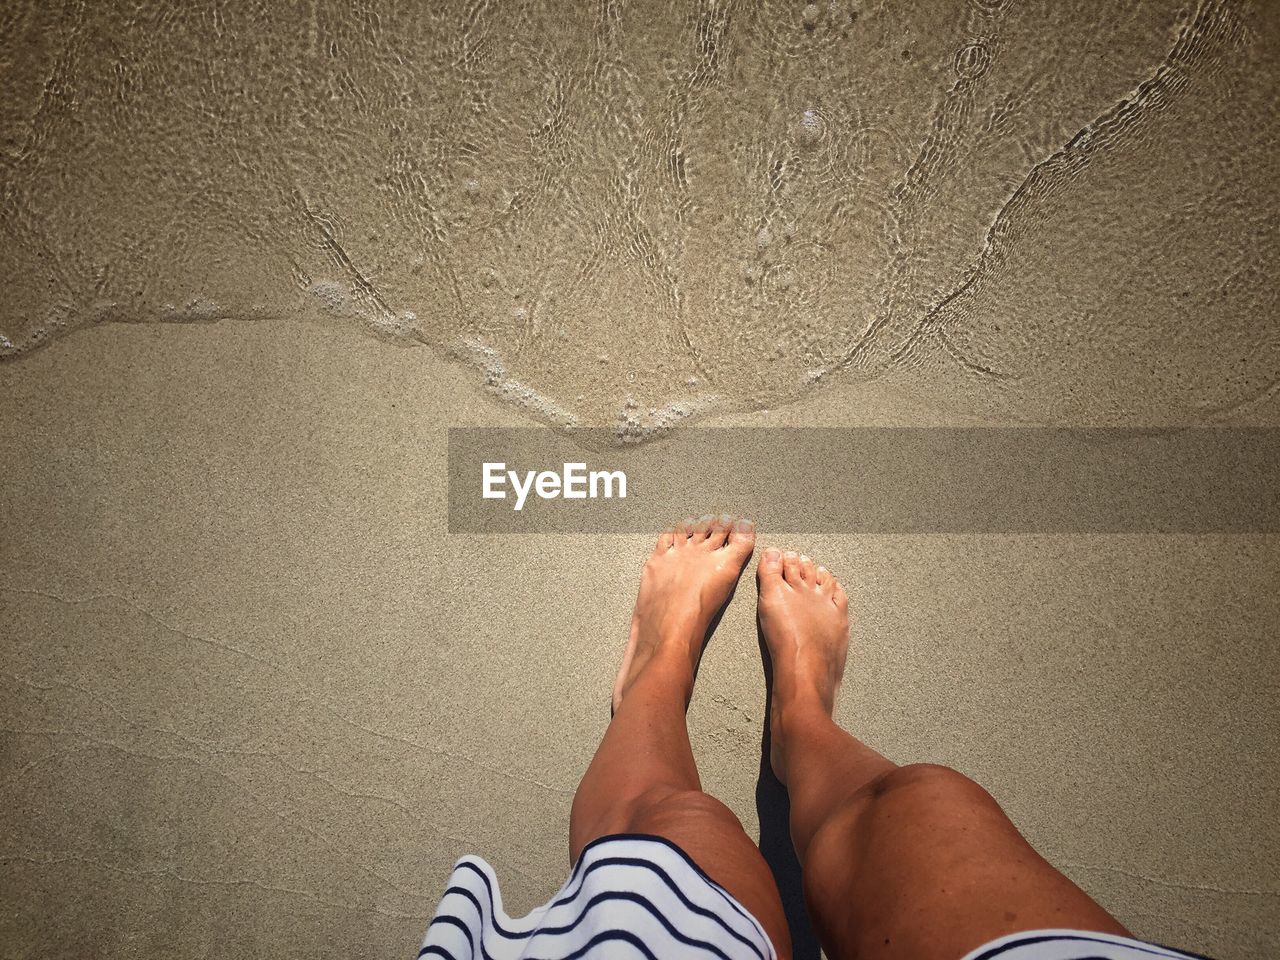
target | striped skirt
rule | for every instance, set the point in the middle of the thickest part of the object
(627, 896)
(632, 896)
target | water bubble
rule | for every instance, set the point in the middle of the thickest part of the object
(636, 426)
(329, 292)
(764, 238)
(497, 379)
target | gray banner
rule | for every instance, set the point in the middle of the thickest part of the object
(870, 480)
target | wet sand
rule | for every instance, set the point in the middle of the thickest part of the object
(636, 217)
(258, 700)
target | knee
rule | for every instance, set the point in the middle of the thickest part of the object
(665, 811)
(920, 794)
(929, 781)
(659, 809)
(927, 793)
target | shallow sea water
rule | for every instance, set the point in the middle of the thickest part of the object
(630, 214)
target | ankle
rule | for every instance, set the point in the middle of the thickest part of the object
(663, 666)
(796, 716)
(797, 694)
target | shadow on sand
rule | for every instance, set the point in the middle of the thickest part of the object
(773, 808)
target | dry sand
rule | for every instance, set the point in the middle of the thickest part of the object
(257, 700)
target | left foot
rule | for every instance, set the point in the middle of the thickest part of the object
(686, 582)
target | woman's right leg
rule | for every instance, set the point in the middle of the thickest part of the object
(911, 862)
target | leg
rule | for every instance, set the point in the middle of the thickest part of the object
(643, 778)
(899, 862)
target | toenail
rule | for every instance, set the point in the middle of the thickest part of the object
(772, 554)
(726, 518)
(803, 558)
(706, 518)
(744, 526)
(822, 569)
(790, 555)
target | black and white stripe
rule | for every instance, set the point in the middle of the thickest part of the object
(628, 896)
(1074, 945)
(634, 896)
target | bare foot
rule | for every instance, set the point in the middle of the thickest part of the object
(804, 616)
(686, 582)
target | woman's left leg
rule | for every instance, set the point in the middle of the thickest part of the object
(643, 778)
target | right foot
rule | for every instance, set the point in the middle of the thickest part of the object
(685, 584)
(804, 616)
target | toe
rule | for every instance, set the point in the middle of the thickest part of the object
(718, 532)
(701, 529)
(840, 597)
(684, 530)
(827, 583)
(808, 570)
(666, 539)
(769, 572)
(791, 568)
(742, 536)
